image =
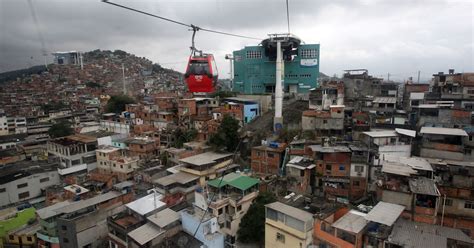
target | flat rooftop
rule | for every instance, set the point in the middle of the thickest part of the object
(290, 211)
(205, 158)
(443, 131)
(147, 204)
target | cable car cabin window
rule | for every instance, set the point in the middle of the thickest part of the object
(214, 67)
(198, 68)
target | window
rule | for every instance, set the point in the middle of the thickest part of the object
(64, 228)
(359, 168)
(11, 237)
(2, 190)
(24, 195)
(65, 240)
(356, 183)
(121, 166)
(309, 53)
(301, 173)
(342, 167)
(271, 155)
(23, 185)
(469, 204)
(325, 121)
(258, 154)
(141, 146)
(42, 180)
(448, 202)
(28, 238)
(328, 167)
(253, 55)
(280, 237)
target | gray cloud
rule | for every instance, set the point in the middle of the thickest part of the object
(400, 37)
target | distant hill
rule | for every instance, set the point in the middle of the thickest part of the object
(13, 75)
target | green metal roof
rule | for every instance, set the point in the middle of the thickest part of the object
(244, 182)
(235, 180)
(215, 183)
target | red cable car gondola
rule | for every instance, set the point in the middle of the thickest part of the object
(201, 71)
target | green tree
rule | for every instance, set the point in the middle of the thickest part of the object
(227, 136)
(252, 226)
(116, 104)
(182, 137)
(60, 129)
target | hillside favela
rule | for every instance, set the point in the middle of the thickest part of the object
(236, 124)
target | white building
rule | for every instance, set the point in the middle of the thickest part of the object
(26, 180)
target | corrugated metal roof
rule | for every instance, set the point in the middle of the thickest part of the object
(443, 131)
(416, 234)
(385, 213)
(164, 217)
(353, 221)
(145, 233)
(49, 211)
(329, 149)
(397, 169)
(407, 132)
(381, 134)
(205, 158)
(146, 204)
(88, 202)
(416, 163)
(384, 99)
(417, 95)
(423, 186)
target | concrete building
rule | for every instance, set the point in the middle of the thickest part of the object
(396, 142)
(254, 68)
(207, 165)
(268, 159)
(329, 93)
(203, 226)
(287, 226)
(111, 161)
(67, 58)
(84, 223)
(250, 108)
(228, 199)
(333, 167)
(16, 125)
(3, 123)
(324, 123)
(48, 234)
(26, 180)
(443, 143)
(456, 87)
(74, 152)
(341, 227)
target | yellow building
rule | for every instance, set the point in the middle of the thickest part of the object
(287, 226)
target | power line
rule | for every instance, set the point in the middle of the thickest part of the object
(288, 16)
(181, 23)
(218, 187)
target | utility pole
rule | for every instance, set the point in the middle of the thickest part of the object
(123, 78)
(278, 120)
(388, 77)
(231, 58)
(418, 81)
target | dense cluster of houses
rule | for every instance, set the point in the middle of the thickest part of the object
(379, 165)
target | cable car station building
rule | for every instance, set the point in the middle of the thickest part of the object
(254, 67)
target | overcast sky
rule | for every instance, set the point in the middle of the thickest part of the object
(398, 37)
